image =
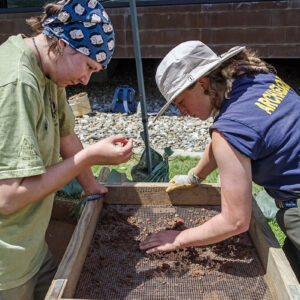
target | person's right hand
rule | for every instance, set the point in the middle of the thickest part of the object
(111, 151)
(162, 241)
(190, 178)
(184, 181)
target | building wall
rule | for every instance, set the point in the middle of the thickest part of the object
(271, 27)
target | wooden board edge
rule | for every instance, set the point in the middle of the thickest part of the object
(75, 254)
(156, 184)
(143, 193)
(103, 175)
(56, 289)
(278, 272)
(72, 262)
(62, 210)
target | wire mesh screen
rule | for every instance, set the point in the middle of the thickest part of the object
(115, 268)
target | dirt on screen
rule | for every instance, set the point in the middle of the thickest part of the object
(115, 267)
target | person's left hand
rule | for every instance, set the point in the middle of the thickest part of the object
(161, 241)
(94, 189)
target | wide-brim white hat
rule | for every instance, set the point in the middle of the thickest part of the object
(184, 65)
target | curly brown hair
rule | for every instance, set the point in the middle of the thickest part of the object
(36, 23)
(246, 62)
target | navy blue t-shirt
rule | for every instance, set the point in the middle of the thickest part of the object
(261, 119)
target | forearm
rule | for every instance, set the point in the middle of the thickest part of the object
(236, 196)
(69, 146)
(31, 189)
(213, 231)
(218, 228)
(207, 163)
(16, 193)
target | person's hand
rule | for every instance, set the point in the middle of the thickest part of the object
(94, 189)
(111, 151)
(184, 181)
(190, 178)
(162, 241)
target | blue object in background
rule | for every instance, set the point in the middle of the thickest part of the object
(123, 100)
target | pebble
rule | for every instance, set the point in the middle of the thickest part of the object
(182, 133)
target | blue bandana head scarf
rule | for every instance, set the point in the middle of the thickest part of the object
(86, 27)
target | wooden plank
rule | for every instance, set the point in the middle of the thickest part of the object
(103, 175)
(144, 193)
(72, 262)
(279, 275)
(62, 210)
(56, 289)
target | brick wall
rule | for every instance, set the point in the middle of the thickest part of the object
(272, 27)
(13, 24)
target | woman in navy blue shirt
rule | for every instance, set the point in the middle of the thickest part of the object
(255, 137)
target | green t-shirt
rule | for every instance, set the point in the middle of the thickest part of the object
(34, 115)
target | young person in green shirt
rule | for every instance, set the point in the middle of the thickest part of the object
(71, 40)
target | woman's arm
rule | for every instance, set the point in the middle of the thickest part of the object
(16, 193)
(236, 204)
(69, 146)
(206, 164)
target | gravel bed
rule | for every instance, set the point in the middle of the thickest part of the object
(184, 133)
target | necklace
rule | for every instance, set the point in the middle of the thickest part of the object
(39, 55)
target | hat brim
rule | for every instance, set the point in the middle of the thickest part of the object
(201, 73)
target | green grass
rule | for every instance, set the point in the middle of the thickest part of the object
(121, 168)
(280, 236)
(177, 165)
(181, 165)
(256, 188)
